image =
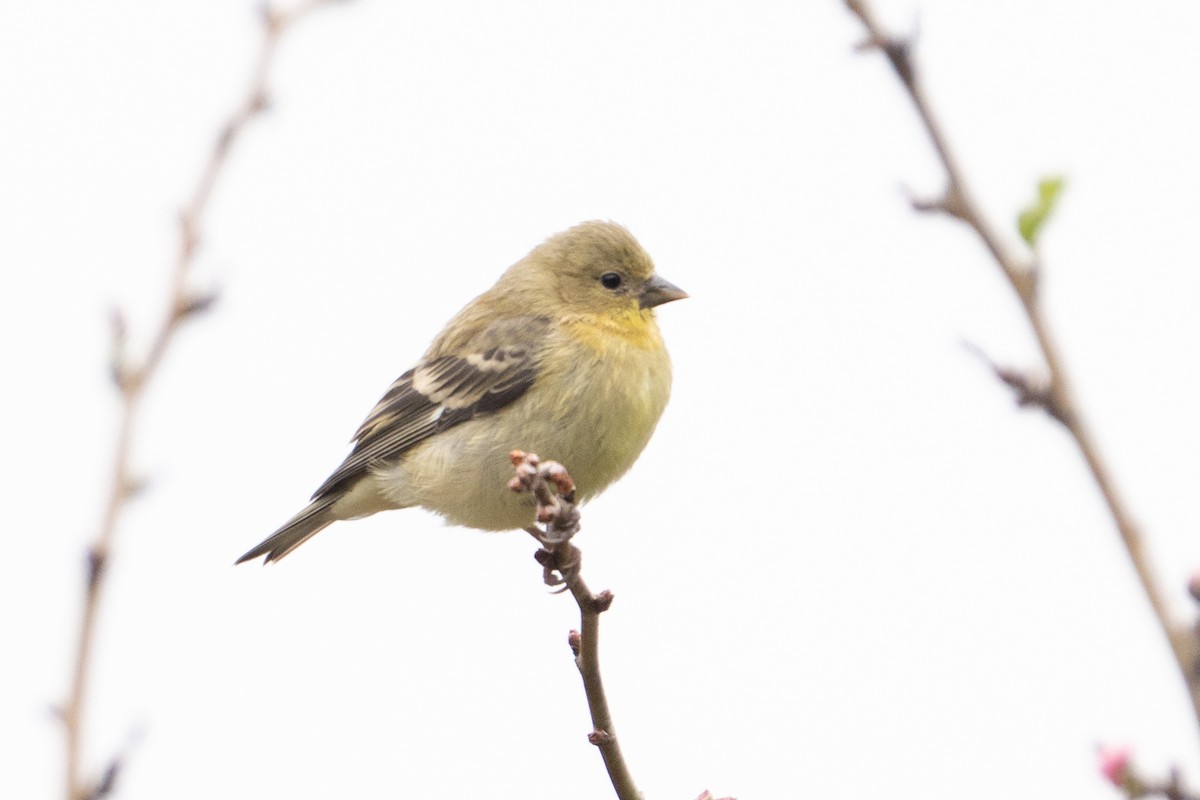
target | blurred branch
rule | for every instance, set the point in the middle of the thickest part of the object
(1022, 268)
(555, 494)
(132, 377)
(1116, 765)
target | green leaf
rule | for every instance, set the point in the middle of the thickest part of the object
(1033, 218)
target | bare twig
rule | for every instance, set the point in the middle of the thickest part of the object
(1170, 788)
(184, 303)
(1057, 399)
(555, 494)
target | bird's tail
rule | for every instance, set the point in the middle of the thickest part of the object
(295, 532)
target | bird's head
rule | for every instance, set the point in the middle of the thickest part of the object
(599, 268)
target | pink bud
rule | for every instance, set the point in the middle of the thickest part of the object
(1114, 763)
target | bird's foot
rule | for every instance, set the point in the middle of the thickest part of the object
(560, 561)
(554, 493)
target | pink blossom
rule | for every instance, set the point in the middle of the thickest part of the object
(1114, 763)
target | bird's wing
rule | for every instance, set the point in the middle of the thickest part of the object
(494, 369)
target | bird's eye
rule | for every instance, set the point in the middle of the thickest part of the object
(610, 280)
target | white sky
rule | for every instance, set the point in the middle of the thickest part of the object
(845, 566)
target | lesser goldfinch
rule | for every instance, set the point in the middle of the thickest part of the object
(562, 357)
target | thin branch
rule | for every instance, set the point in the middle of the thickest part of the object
(1058, 399)
(555, 494)
(131, 379)
(1118, 769)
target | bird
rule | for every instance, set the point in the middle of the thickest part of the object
(563, 356)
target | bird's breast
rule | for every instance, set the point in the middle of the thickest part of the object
(605, 407)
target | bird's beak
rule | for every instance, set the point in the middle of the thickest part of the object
(657, 291)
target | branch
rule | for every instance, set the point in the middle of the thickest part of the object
(131, 379)
(1117, 768)
(555, 494)
(1057, 397)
